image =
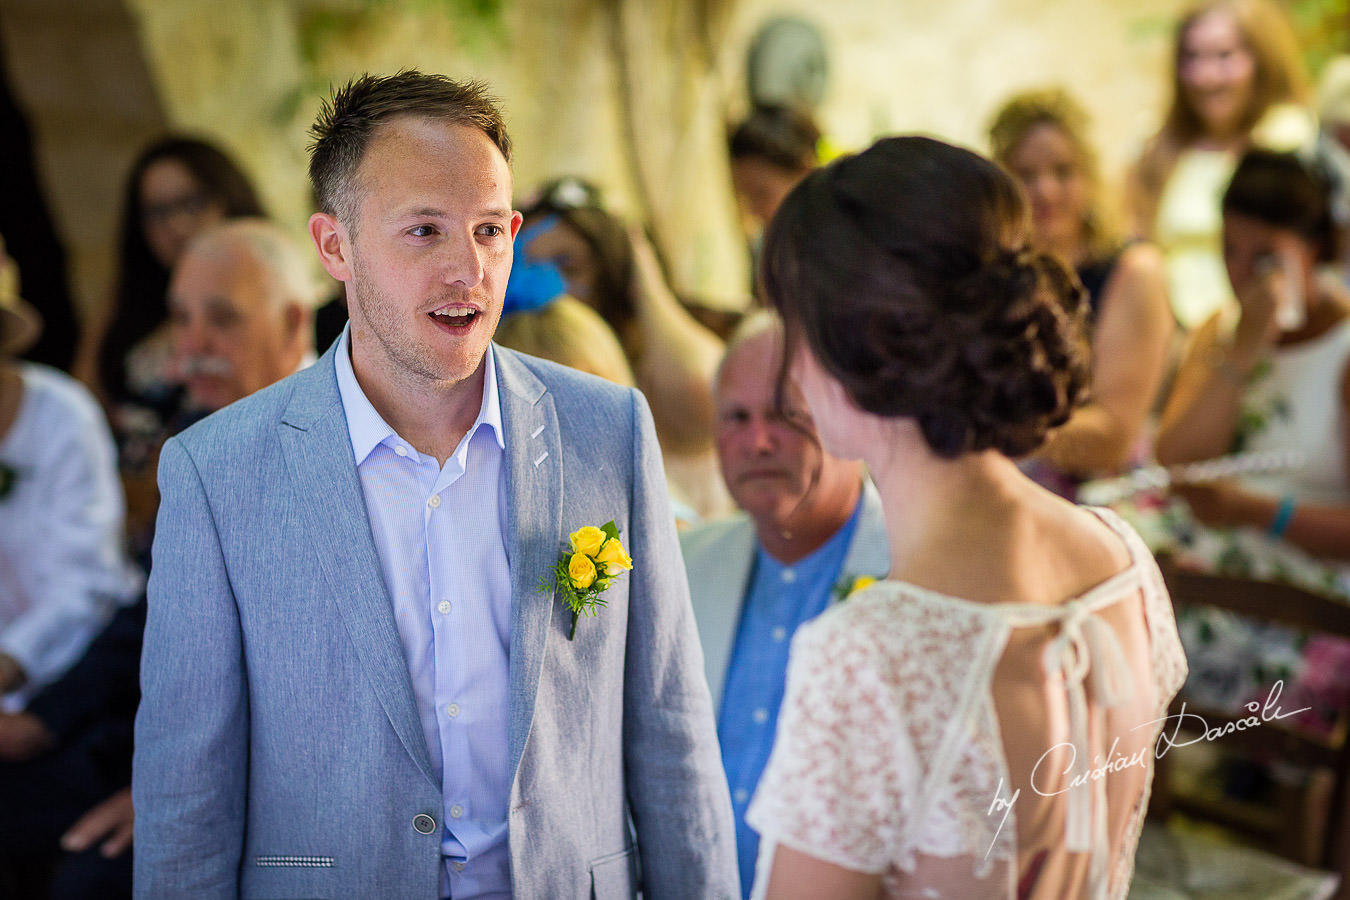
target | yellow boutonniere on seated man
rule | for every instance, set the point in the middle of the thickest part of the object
(586, 569)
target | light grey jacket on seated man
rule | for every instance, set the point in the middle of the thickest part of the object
(279, 751)
(718, 557)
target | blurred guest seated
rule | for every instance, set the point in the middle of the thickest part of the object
(810, 527)
(541, 320)
(241, 305)
(771, 150)
(1238, 80)
(1277, 384)
(1041, 137)
(65, 770)
(569, 332)
(1333, 146)
(1279, 380)
(176, 187)
(614, 269)
(1333, 100)
(62, 567)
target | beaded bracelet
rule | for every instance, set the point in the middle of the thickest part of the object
(1280, 524)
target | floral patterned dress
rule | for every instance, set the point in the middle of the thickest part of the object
(1292, 403)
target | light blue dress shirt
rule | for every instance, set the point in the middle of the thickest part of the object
(779, 599)
(440, 532)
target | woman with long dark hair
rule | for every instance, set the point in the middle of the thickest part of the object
(176, 188)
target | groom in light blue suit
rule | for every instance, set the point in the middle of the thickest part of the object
(357, 679)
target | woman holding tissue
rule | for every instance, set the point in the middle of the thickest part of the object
(1279, 380)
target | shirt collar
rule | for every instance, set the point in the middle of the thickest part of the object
(368, 428)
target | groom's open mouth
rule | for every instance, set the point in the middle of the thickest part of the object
(455, 315)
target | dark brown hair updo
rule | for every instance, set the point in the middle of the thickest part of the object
(904, 271)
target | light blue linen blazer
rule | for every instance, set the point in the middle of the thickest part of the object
(278, 747)
(718, 556)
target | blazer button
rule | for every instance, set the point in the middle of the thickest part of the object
(424, 824)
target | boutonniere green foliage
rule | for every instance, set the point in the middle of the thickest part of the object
(8, 475)
(588, 565)
(850, 585)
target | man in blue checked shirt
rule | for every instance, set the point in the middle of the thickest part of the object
(809, 526)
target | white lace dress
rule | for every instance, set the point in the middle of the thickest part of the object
(890, 750)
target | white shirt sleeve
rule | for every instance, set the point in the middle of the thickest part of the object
(63, 538)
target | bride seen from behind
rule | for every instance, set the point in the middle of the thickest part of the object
(934, 723)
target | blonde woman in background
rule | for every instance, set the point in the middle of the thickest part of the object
(1237, 79)
(1041, 138)
(569, 332)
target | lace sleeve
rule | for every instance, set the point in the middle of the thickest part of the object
(1169, 658)
(838, 779)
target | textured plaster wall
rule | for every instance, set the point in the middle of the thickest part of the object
(249, 73)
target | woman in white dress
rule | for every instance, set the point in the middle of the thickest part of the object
(1238, 80)
(981, 724)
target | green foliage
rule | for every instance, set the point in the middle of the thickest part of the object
(1323, 29)
(475, 22)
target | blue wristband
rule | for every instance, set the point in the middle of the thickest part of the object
(1280, 524)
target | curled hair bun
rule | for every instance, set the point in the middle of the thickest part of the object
(1014, 362)
(895, 267)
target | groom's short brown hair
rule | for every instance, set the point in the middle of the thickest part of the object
(342, 131)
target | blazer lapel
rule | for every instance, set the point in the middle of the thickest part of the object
(724, 588)
(534, 492)
(869, 553)
(318, 451)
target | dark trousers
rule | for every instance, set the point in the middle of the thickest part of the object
(39, 801)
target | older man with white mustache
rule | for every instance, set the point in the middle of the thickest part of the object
(241, 305)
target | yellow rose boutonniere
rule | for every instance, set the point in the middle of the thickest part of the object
(587, 540)
(586, 568)
(581, 571)
(847, 587)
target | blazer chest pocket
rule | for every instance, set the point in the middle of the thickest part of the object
(614, 877)
(292, 877)
(293, 862)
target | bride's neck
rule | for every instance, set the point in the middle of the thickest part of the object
(937, 505)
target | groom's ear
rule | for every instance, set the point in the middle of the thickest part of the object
(333, 243)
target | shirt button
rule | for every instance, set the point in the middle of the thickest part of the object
(760, 716)
(741, 795)
(779, 633)
(788, 576)
(443, 607)
(435, 501)
(456, 811)
(457, 866)
(424, 824)
(452, 710)
(401, 450)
